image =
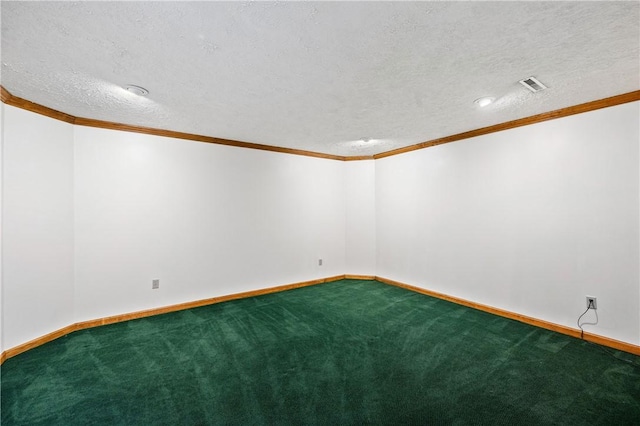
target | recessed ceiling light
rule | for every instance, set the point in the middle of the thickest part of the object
(483, 102)
(136, 90)
(365, 140)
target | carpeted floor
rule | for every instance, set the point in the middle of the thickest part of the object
(347, 352)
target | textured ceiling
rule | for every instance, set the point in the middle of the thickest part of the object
(318, 76)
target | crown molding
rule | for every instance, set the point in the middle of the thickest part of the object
(15, 101)
(546, 116)
(5, 96)
(89, 122)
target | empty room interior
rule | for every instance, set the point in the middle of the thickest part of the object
(320, 212)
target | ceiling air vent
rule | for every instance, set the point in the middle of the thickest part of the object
(533, 84)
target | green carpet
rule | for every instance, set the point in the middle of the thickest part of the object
(347, 352)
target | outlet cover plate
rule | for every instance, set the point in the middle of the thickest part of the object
(592, 302)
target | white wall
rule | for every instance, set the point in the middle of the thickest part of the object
(529, 220)
(207, 220)
(360, 217)
(91, 216)
(37, 226)
(1, 225)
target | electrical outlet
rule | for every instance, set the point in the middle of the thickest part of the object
(155, 284)
(592, 302)
(319, 262)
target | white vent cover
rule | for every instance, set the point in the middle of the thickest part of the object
(533, 84)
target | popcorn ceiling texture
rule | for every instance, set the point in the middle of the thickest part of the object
(318, 76)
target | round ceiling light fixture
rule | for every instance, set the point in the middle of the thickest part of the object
(136, 90)
(483, 102)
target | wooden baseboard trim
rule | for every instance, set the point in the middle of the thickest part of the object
(37, 342)
(594, 338)
(9, 353)
(360, 277)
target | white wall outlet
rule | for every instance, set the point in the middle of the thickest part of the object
(155, 284)
(319, 262)
(592, 302)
